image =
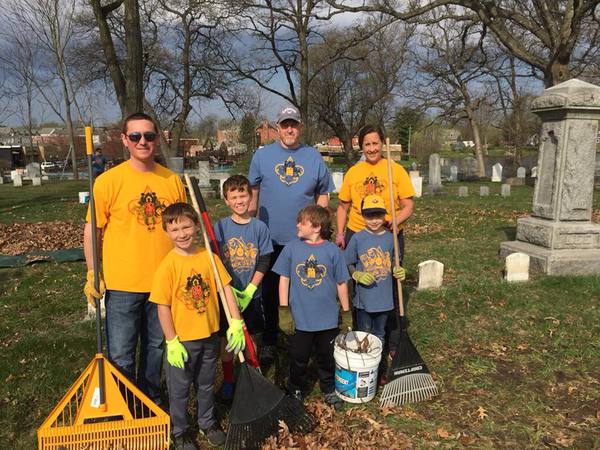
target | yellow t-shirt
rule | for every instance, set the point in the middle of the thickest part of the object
(364, 179)
(187, 285)
(129, 205)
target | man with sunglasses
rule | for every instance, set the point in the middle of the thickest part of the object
(285, 176)
(129, 202)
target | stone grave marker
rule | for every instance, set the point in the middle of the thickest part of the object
(505, 190)
(435, 174)
(338, 178)
(37, 181)
(417, 183)
(559, 236)
(431, 274)
(497, 173)
(484, 191)
(17, 180)
(534, 170)
(516, 267)
(33, 170)
(414, 173)
(521, 172)
(463, 191)
(453, 173)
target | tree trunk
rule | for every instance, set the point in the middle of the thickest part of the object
(477, 139)
(135, 58)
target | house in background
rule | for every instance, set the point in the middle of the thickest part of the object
(266, 133)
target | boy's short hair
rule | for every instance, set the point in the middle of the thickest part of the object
(236, 183)
(138, 116)
(317, 216)
(372, 205)
(174, 211)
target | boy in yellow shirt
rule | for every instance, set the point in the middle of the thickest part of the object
(185, 292)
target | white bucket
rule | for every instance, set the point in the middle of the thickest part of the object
(84, 197)
(355, 372)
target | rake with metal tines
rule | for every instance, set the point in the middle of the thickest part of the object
(409, 380)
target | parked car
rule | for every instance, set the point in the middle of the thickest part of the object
(48, 166)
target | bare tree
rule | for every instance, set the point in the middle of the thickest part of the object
(452, 65)
(345, 92)
(555, 37)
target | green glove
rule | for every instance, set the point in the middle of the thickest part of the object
(243, 298)
(235, 336)
(176, 354)
(89, 289)
(364, 278)
(399, 273)
(286, 321)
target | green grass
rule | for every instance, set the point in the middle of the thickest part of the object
(525, 354)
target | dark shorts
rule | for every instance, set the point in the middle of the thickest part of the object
(254, 318)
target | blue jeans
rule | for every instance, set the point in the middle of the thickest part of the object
(129, 317)
(373, 323)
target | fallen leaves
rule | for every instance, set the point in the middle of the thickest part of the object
(481, 413)
(21, 238)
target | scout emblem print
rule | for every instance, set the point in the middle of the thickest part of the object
(147, 209)
(289, 172)
(370, 185)
(195, 293)
(310, 272)
(377, 262)
(241, 255)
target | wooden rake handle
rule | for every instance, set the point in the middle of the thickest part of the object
(388, 155)
(211, 256)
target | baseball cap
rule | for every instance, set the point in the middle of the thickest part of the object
(372, 204)
(289, 113)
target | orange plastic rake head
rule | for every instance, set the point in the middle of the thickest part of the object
(127, 419)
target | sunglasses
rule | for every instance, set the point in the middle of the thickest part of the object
(137, 137)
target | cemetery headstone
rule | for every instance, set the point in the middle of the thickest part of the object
(463, 191)
(505, 190)
(176, 164)
(497, 173)
(338, 178)
(435, 175)
(559, 235)
(36, 181)
(417, 183)
(534, 170)
(521, 172)
(516, 267)
(1, 178)
(33, 170)
(413, 173)
(431, 274)
(204, 174)
(484, 191)
(453, 173)
(17, 180)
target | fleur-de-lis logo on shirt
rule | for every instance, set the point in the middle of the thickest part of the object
(377, 262)
(310, 272)
(289, 172)
(196, 293)
(148, 208)
(370, 185)
(241, 255)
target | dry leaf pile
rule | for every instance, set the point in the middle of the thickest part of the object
(355, 429)
(21, 238)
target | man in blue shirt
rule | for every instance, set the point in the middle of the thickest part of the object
(285, 177)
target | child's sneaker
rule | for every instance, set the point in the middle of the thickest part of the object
(184, 442)
(226, 394)
(332, 399)
(214, 435)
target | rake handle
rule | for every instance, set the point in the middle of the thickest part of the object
(193, 189)
(388, 155)
(252, 357)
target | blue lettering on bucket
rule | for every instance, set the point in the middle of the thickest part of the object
(345, 382)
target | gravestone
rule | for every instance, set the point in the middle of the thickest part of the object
(484, 191)
(338, 178)
(36, 181)
(17, 180)
(463, 191)
(203, 175)
(559, 236)
(516, 267)
(33, 170)
(414, 173)
(497, 173)
(417, 183)
(435, 174)
(453, 173)
(521, 172)
(176, 164)
(1, 178)
(505, 190)
(534, 172)
(431, 274)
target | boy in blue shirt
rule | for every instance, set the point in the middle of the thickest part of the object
(369, 256)
(245, 246)
(312, 271)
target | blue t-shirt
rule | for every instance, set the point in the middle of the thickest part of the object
(314, 271)
(373, 253)
(289, 180)
(241, 244)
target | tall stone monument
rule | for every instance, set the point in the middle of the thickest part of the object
(559, 235)
(435, 174)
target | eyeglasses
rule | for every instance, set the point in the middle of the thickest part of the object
(137, 137)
